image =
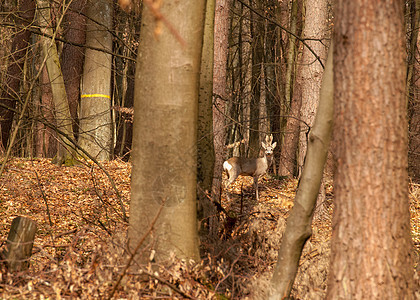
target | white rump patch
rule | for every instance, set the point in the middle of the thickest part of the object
(227, 166)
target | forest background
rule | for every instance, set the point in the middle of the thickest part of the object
(68, 96)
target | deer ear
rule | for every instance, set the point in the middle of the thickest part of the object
(274, 145)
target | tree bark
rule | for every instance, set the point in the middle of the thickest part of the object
(95, 105)
(371, 243)
(165, 132)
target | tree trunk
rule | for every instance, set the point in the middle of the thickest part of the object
(61, 105)
(293, 102)
(19, 243)
(165, 132)
(10, 90)
(46, 136)
(72, 56)
(205, 148)
(413, 92)
(257, 31)
(298, 228)
(371, 242)
(95, 104)
(221, 31)
(311, 72)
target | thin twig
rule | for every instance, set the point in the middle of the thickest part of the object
(44, 197)
(160, 17)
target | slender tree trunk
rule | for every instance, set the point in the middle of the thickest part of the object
(311, 73)
(221, 30)
(95, 104)
(287, 164)
(293, 102)
(371, 242)
(165, 132)
(257, 31)
(11, 87)
(246, 75)
(205, 146)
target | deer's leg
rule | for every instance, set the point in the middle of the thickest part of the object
(232, 177)
(256, 187)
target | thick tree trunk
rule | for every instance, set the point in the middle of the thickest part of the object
(95, 134)
(165, 132)
(371, 242)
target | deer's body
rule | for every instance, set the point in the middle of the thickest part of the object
(254, 167)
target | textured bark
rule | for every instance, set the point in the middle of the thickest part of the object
(371, 242)
(221, 31)
(95, 134)
(11, 88)
(165, 132)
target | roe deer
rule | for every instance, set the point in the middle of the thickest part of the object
(254, 167)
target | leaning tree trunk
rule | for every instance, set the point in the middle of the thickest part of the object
(61, 105)
(95, 105)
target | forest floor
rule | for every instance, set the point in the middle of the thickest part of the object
(80, 251)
